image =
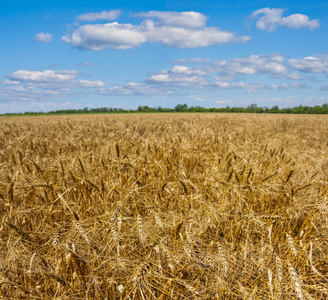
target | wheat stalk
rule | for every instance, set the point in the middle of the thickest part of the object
(56, 237)
(291, 244)
(141, 231)
(296, 281)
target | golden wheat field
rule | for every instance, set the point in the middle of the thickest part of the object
(164, 206)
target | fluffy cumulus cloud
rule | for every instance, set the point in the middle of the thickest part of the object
(47, 76)
(174, 29)
(43, 37)
(111, 35)
(187, 19)
(25, 84)
(183, 37)
(269, 18)
(104, 15)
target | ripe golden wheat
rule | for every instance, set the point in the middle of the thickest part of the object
(164, 206)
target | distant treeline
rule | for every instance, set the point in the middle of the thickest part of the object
(253, 108)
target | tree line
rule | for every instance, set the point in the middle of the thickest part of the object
(253, 108)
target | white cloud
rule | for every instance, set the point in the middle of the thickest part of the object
(299, 20)
(135, 89)
(282, 86)
(179, 30)
(23, 94)
(248, 87)
(181, 76)
(111, 35)
(299, 86)
(224, 74)
(221, 84)
(197, 78)
(43, 37)
(33, 85)
(181, 81)
(220, 102)
(10, 82)
(270, 20)
(310, 64)
(184, 70)
(286, 86)
(91, 84)
(272, 17)
(253, 64)
(186, 19)
(179, 37)
(190, 60)
(47, 76)
(296, 76)
(104, 15)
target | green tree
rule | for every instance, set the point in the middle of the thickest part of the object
(252, 108)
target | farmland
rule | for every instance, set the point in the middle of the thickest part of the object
(165, 206)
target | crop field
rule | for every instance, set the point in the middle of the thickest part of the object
(164, 206)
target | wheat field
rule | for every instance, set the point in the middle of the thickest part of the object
(164, 206)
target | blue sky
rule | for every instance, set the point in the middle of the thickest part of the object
(76, 54)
